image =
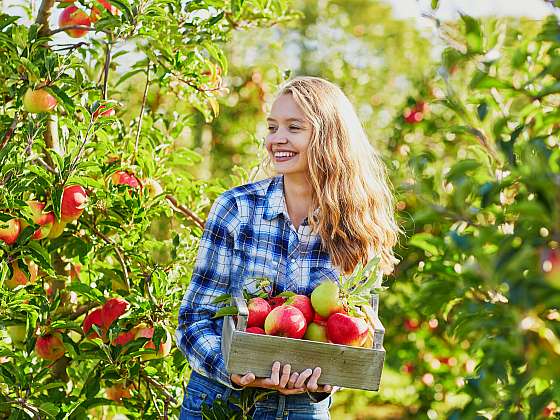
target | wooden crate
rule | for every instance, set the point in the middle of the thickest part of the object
(345, 366)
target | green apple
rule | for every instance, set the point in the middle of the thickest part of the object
(17, 333)
(325, 299)
(316, 332)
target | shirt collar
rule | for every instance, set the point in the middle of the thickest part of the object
(276, 201)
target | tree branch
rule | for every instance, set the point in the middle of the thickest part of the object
(142, 111)
(10, 132)
(159, 386)
(43, 17)
(186, 211)
(80, 27)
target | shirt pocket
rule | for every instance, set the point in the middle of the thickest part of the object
(257, 267)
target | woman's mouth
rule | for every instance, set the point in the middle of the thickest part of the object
(283, 156)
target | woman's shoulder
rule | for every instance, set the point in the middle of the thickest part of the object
(249, 191)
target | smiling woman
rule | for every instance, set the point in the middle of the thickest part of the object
(327, 208)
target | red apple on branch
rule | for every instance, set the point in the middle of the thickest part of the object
(113, 309)
(104, 111)
(50, 346)
(39, 217)
(95, 317)
(285, 321)
(9, 231)
(124, 178)
(73, 202)
(19, 277)
(108, 6)
(118, 392)
(145, 331)
(72, 16)
(39, 100)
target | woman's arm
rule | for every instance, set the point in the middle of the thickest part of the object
(197, 335)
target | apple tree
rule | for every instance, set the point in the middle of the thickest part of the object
(100, 212)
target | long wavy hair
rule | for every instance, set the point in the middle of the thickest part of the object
(356, 218)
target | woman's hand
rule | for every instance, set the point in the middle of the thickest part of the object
(288, 383)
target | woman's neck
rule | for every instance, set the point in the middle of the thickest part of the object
(299, 197)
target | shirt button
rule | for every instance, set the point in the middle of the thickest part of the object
(293, 260)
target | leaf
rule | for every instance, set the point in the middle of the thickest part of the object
(427, 242)
(226, 311)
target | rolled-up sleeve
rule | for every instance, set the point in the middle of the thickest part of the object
(198, 335)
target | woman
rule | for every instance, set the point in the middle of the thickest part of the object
(328, 208)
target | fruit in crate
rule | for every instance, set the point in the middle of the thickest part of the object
(303, 303)
(276, 301)
(325, 299)
(316, 332)
(285, 321)
(347, 330)
(258, 310)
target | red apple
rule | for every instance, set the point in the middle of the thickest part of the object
(72, 16)
(124, 338)
(9, 231)
(39, 217)
(408, 367)
(95, 12)
(118, 391)
(318, 319)
(104, 111)
(124, 178)
(316, 332)
(94, 317)
(50, 346)
(38, 100)
(276, 301)
(73, 202)
(146, 331)
(258, 310)
(411, 324)
(347, 330)
(255, 330)
(551, 266)
(303, 303)
(285, 321)
(113, 309)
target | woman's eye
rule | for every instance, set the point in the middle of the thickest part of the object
(271, 128)
(293, 127)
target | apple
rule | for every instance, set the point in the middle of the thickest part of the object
(551, 266)
(255, 330)
(72, 16)
(124, 178)
(325, 299)
(276, 301)
(118, 391)
(113, 309)
(50, 346)
(318, 319)
(17, 333)
(303, 303)
(38, 100)
(316, 332)
(153, 187)
(56, 229)
(411, 324)
(347, 330)
(73, 202)
(94, 317)
(104, 111)
(145, 331)
(9, 231)
(124, 338)
(416, 113)
(285, 321)
(408, 367)
(258, 310)
(95, 12)
(39, 217)
(19, 277)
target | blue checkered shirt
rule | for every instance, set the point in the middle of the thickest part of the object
(248, 235)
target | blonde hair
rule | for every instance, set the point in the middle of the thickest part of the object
(350, 185)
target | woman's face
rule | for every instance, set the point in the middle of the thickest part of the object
(288, 136)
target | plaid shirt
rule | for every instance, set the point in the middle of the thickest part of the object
(248, 235)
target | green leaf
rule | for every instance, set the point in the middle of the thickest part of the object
(225, 311)
(427, 242)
